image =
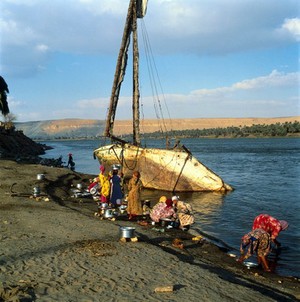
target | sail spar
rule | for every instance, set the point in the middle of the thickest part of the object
(137, 9)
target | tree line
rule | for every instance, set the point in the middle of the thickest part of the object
(272, 130)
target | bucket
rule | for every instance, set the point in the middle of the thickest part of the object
(127, 232)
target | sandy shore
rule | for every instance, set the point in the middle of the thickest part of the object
(53, 248)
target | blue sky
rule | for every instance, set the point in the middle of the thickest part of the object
(215, 58)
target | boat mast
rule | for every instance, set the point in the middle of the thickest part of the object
(120, 72)
(136, 92)
(136, 9)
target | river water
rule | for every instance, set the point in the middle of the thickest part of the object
(264, 172)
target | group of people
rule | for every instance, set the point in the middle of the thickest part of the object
(265, 231)
(109, 186)
(111, 191)
(179, 213)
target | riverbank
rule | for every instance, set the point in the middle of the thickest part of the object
(54, 249)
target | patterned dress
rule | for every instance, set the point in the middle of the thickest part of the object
(160, 210)
(257, 241)
(184, 212)
(268, 223)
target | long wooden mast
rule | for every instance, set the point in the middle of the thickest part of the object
(135, 10)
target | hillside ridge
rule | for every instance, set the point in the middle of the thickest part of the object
(79, 128)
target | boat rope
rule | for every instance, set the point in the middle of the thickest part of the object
(122, 160)
(189, 154)
(154, 77)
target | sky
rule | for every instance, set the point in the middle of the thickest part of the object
(213, 58)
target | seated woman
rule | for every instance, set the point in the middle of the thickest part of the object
(163, 210)
(184, 213)
(257, 241)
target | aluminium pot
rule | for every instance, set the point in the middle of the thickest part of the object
(164, 222)
(79, 186)
(127, 232)
(108, 213)
(40, 177)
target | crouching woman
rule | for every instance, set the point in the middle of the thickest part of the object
(256, 242)
(184, 213)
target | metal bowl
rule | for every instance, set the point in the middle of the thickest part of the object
(250, 264)
(108, 213)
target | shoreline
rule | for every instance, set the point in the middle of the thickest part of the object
(58, 249)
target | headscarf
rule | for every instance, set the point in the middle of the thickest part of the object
(175, 198)
(284, 224)
(102, 168)
(162, 199)
(169, 203)
(136, 174)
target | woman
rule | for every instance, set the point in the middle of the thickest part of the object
(163, 210)
(257, 241)
(184, 213)
(134, 205)
(104, 185)
(116, 193)
(271, 225)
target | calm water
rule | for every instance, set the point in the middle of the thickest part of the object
(264, 172)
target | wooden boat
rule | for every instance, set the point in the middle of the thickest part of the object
(176, 169)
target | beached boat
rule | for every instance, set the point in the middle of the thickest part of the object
(170, 169)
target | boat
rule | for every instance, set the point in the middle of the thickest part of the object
(168, 169)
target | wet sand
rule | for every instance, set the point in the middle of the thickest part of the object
(53, 248)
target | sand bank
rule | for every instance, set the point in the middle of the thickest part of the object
(53, 248)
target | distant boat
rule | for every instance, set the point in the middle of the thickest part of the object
(171, 169)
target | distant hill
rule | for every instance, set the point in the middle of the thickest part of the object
(80, 128)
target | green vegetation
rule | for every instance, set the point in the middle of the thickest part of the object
(272, 130)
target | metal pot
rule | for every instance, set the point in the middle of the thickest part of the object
(165, 222)
(104, 205)
(36, 191)
(127, 232)
(79, 186)
(40, 176)
(108, 213)
(122, 209)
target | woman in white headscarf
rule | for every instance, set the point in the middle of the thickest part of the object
(184, 213)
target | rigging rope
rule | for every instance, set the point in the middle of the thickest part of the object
(153, 75)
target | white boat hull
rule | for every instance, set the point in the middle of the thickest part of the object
(162, 169)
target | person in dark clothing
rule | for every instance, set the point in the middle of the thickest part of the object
(71, 163)
(3, 96)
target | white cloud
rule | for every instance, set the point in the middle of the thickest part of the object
(90, 26)
(292, 26)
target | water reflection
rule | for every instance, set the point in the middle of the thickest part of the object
(202, 203)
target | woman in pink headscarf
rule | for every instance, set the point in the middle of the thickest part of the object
(271, 225)
(163, 210)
